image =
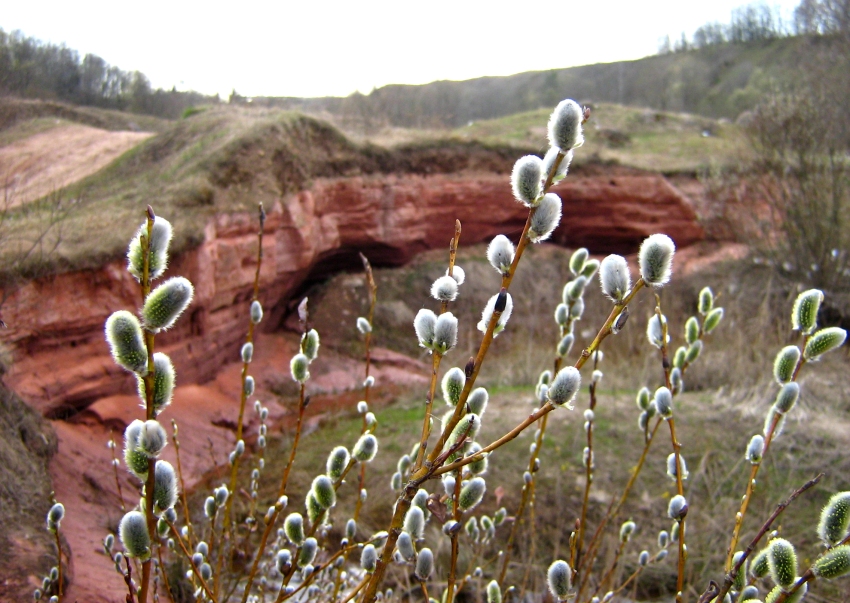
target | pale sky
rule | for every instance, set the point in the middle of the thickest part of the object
(312, 48)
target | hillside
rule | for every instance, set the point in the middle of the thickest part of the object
(225, 159)
(718, 81)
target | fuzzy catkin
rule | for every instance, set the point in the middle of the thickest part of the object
(546, 218)
(166, 303)
(559, 578)
(500, 253)
(656, 259)
(835, 519)
(124, 335)
(133, 531)
(161, 233)
(614, 277)
(564, 128)
(527, 179)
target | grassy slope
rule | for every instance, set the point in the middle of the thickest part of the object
(641, 138)
(229, 158)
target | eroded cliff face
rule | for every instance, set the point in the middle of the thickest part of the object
(64, 370)
(62, 364)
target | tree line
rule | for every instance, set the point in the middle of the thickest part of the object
(30, 68)
(760, 22)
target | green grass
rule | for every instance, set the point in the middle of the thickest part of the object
(649, 140)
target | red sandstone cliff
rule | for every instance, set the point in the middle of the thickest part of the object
(63, 365)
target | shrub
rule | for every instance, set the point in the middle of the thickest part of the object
(295, 552)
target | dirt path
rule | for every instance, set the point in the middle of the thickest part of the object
(35, 166)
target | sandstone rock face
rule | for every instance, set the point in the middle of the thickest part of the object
(63, 365)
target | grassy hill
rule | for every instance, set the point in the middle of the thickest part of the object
(224, 159)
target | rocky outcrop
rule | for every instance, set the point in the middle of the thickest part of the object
(63, 365)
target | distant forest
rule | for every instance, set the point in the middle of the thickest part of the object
(30, 68)
(719, 71)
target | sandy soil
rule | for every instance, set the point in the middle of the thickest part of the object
(48, 161)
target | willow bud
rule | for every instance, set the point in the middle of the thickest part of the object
(564, 387)
(566, 344)
(546, 218)
(490, 308)
(445, 333)
(590, 268)
(614, 277)
(471, 493)
(626, 530)
(124, 335)
(835, 519)
(424, 324)
(787, 397)
(338, 460)
(664, 402)
(414, 523)
(691, 330)
(656, 259)
(677, 508)
(654, 331)
(500, 253)
(165, 487)
(476, 402)
(366, 448)
(133, 531)
(310, 344)
(152, 439)
(256, 312)
(293, 527)
(527, 179)
(307, 552)
(363, 325)
(706, 301)
(166, 303)
(712, 320)
(562, 315)
(368, 558)
(55, 516)
(424, 564)
(786, 363)
(161, 233)
(574, 289)
(453, 382)
(755, 449)
(834, 563)
(679, 357)
(559, 577)
(782, 561)
(642, 399)
(671, 467)
(323, 490)
(577, 260)
(247, 352)
(824, 341)
(494, 592)
(804, 315)
(564, 128)
(693, 352)
(444, 289)
(299, 368)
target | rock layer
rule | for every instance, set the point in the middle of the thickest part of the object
(63, 365)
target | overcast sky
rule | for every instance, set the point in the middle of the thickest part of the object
(313, 48)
